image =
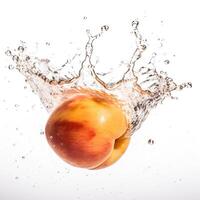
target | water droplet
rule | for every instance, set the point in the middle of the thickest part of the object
(84, 17)
(143, 47)
(23, 157)
(135, 24)
(105, 28)
(27, 58)
(166, 62)
(16, 105)
(8, 53)
(20, 49)
(47, 43)
(16, 177)
(15, 58)
(51, 137)
(150, 141)
(10, 67)
(189, 84)
(41, 132)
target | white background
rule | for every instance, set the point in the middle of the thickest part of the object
(169, 169)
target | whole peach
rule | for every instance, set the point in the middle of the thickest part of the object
(88, 129)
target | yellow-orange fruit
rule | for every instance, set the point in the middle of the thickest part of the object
(87, 130)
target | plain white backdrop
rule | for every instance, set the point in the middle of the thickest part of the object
(167, 170)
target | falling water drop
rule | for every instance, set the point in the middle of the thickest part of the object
(166, 62)
(20, 49)
(8, 53)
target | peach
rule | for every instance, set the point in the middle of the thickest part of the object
(88, 129)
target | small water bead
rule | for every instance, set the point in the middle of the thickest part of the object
(41, 132)
(27, 58)
(8, 53)
(150, 141)
(143, 47)
(11, 67)
(166, 62)
(135, 24)
(15, 58)
(105, 28)
(189, 84)
(20, 49)
(47, 43)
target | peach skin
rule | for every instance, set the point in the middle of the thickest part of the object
(87, 130)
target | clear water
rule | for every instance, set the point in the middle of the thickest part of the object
(139, 89)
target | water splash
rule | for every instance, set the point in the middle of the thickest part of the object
(139, 90)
